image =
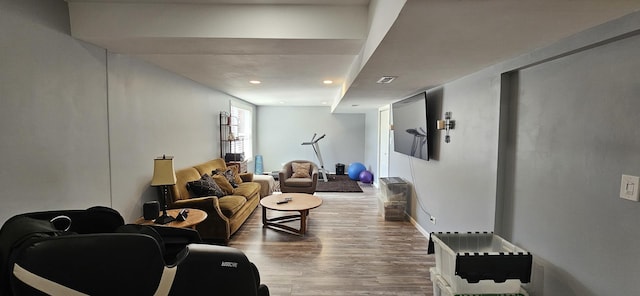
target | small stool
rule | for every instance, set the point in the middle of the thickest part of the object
(267, 184)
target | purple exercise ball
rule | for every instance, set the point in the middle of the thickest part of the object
(366, 177)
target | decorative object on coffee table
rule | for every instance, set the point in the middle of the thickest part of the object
(163, 176)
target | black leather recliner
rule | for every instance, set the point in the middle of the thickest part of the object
(92, 252)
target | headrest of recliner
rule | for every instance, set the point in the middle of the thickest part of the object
(143, 229)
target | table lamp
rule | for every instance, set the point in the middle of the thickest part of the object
(163, 176)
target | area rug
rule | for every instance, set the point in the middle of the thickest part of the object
(338, 183)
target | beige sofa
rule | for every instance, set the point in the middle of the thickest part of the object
(225, 214)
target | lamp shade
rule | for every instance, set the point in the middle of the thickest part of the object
(163, 173)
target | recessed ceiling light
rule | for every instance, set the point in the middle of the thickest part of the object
(386, 79)
(255, 81)
(328, 82)
(324, 103)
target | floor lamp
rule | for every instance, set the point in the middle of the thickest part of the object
(163, 176)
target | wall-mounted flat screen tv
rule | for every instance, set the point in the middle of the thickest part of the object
(410, 126)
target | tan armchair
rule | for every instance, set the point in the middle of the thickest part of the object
(291, 183)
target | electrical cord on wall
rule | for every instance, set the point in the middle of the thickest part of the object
(416, 188)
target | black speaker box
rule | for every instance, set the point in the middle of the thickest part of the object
(234, 157)
(151, 210)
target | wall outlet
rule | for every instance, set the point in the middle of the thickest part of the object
(432, 219)
(629, 187)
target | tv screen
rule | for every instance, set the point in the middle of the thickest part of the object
(410, 126)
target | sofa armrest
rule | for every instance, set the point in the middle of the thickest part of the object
(246, 177)
(285, 173)
(207, 204)
(314, 176)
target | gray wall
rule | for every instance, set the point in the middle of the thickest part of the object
(53, 114)
(80, 126)
(543, 168)
(153, 112)
(282, 130)
(574, 132)
(458, 185)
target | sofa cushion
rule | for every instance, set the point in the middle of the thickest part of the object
(248, 189)
(298, 182)
(224, 184)
(207, 167)
(206, 186)
(300, 170)
(231, 204)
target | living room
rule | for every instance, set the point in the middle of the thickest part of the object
(81, 127)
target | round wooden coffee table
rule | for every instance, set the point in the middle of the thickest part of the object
(300, 202)
(194, 217)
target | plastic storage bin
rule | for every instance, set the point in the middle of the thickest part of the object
(441, 288)
(394, 189)
(393, 200)
(480, 263)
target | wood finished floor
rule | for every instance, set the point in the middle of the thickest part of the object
(348, 250)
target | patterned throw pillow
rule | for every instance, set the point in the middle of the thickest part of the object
(206, 186)
(300, 169)
(228, 174)
(236, 174)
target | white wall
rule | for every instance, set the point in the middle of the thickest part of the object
(282, 130)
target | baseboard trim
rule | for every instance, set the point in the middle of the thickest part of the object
(418, 227)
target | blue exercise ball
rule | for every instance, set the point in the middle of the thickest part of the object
(366, 177)
(355, 169)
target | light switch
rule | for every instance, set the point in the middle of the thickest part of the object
(629, 187)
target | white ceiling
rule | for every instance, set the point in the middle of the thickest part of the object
(293, 45)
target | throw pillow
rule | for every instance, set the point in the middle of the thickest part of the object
(228, 174)
(236, 174)
(224, 184)
(206, 186)
(300, 169)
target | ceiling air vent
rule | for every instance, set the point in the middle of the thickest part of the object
(386, 79)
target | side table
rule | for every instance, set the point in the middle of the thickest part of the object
(194, 217)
